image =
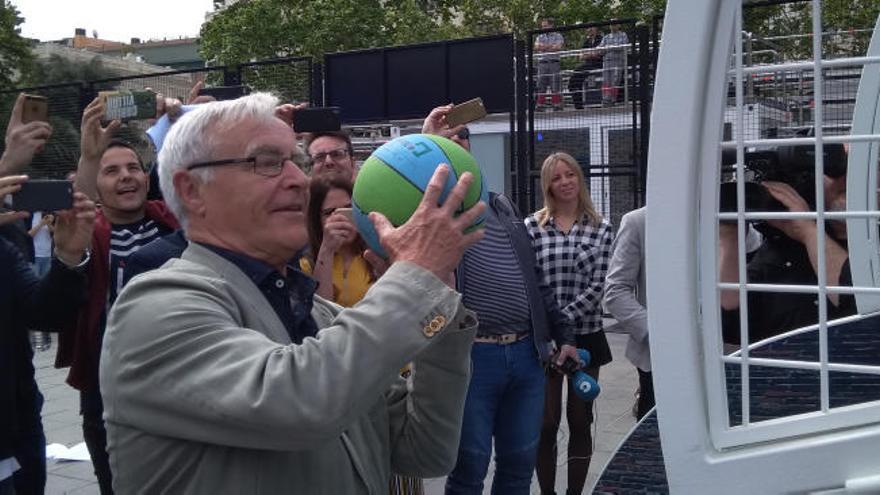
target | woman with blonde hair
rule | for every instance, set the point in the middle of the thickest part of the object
(572, 243)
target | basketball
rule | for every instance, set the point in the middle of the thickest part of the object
(393, 179)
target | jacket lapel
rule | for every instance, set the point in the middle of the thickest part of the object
(257, 306)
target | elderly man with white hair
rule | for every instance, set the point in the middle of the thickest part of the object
(222, 372)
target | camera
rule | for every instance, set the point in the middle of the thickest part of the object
(791, 164)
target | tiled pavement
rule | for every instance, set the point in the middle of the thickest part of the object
(61, 421)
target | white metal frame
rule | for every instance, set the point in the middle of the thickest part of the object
(864, 249)
(703, 453)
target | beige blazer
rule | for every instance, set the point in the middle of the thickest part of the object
(204, 392)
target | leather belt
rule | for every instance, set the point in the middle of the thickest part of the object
(507, 338)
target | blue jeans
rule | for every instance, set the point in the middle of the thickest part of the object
(505, 400)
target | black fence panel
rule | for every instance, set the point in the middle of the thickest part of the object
(406, 82)
(588, 95)
(290, 78)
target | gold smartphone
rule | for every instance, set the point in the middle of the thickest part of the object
(35, 109)
(466, 112)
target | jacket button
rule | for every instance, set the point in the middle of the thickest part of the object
(435, 325)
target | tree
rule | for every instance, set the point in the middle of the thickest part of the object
(16, 60)
(521, 16)
(419, 21)
(261, 29)
(847, 22)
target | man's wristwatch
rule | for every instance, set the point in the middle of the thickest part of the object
(87, 255)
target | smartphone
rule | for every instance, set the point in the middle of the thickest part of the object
(43, 195)
(127, 105)
(466, 112)
(222, 93)
(346, 212)
(318, 119)
(36, 109)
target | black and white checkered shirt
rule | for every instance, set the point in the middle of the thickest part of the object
(574, 265)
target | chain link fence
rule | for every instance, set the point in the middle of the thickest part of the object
(289, 78)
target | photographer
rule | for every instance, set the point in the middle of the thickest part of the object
(27, 301)
(789, 255)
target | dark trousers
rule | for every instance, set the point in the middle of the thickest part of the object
(584, 73)
(646, 393)
(29, 447)
(580, 442)
(6, 487)
(30, 451)
(95, 436)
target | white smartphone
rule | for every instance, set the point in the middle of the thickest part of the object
(346, 212)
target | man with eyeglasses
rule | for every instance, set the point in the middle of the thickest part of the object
(223, 373)
(331, 154)
(110, 172)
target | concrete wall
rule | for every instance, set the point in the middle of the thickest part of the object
(492, 152)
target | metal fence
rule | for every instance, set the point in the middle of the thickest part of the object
(780, 95)
(289, 78)
(589, 97)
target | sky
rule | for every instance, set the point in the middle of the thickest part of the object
(116, 20)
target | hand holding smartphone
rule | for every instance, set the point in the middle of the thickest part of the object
(346, 212)
(467, 112)
(127, 105)
(35, 109)
(43, 195)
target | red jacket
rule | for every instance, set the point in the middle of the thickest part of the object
(78, 347)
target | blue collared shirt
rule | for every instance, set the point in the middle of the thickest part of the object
(291, 297)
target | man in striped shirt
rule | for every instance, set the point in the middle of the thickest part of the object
(111, 172)
(518, 322)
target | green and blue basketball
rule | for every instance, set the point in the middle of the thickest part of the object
(393, 179)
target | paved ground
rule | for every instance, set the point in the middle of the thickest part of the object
(62, 423)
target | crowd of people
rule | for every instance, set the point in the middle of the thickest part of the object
(236, 335)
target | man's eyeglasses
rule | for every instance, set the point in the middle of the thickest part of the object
(335, 155)
(464, 133)
(265, 165)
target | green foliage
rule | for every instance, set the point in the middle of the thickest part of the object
(62, 70)
(848, 23)
(261, 29)
(16, 59)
